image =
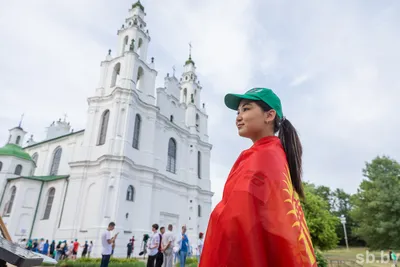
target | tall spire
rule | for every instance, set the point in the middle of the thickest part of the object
(20, 121)
(190, 55)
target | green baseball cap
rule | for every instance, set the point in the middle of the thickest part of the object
(264, 94)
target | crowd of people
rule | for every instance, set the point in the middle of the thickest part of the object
(163, 247)
(61, 250)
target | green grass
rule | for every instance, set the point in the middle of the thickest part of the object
(190, 262)
(357, 254)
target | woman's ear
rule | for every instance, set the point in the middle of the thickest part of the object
(269, 116)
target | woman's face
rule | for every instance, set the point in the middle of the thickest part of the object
(252, 121)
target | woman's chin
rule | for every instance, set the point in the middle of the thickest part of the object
(242, 132)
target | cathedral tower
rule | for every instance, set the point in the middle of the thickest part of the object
(129, 68)
(124, 77)
(190, 95)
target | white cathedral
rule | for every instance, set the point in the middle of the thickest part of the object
(143, 158)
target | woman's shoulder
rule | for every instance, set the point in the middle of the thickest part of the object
(270, 154)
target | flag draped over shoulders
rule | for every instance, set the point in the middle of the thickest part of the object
(259, 221)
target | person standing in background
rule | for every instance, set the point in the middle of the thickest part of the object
(75, 249)
(90, 248)
(129, 249)
(184, 247)
(85, 249)
(168, 242)
(45, 250)
(153, 246)
(199, 248)
(107, 241)
(52, 249)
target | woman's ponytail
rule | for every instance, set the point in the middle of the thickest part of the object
(292, 146)
(294, 151)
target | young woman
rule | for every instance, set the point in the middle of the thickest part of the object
(259, 221)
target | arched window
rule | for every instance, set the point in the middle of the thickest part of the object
(198, 210)
(139, 46)
(136, 133)
(49, 203)
(55, 163)
(110, 203)
(18, 140)
(199, 164)
(18, 169)
(126, 40)
(35, 157)
(139, 78)
(103, 127)
(130, 193)
(171, 163)
(10, 203)
(197, 122)
(115, 75)
(1, 166)
(171, 118)
(184, 95)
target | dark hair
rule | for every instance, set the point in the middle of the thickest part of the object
(111, 224)
(292, 146)
(162, 228)
(201, 235)
(155, 226)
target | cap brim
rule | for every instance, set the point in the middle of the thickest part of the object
(232, 101)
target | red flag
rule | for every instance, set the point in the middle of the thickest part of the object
(259, 221)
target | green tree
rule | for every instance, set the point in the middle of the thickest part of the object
(320, 221)
(377, 206)
(325, 193)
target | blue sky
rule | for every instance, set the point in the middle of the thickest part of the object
(334, 64)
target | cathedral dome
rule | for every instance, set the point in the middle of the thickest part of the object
(14, 150)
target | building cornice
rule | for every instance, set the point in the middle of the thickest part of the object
(139, 168)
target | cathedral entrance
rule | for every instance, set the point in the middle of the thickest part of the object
(169, 218)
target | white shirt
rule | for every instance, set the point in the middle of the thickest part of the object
(200, 243)
(107, 248)
(168, 237)
(153, 244)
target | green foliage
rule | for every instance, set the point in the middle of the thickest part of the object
(321, 223)
(339, 202)
(190, 262)
(377, 206)
(95, 262)
(321, 260)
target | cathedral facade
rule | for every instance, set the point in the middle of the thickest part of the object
(143, 157)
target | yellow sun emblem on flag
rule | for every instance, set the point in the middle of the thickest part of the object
(299, 219)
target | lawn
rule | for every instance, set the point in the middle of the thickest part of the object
(360, 255)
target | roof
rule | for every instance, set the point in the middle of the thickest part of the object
(41, 178)
(189, 61)
(14, 150)
(49, 140)
(138, 4)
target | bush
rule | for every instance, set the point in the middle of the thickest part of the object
(95, 262)
(321, 261)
